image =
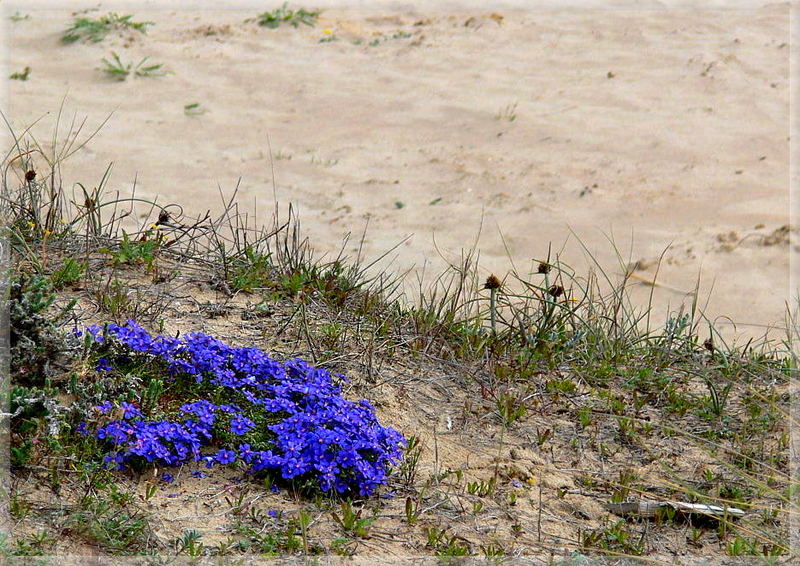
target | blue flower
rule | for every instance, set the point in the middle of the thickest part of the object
(129, 411)
(166, 478)
(315, 432)
(103, 365)
(225, 456)
(241, 425)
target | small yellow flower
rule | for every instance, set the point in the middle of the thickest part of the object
(531, 481)
(31, 224)
(154, 226)
(327, 31)
(62, 221)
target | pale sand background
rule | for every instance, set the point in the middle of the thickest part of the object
(666, 127)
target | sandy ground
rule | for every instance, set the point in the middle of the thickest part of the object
(664, 130)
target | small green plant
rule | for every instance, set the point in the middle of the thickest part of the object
(118, 70)
(284, 15)
(413, 509)
(407, 470)
(252, 271)
(695, 536)
(434, 536)
(238, 505)
(35, 544)
(150, 491)
(34, 333)
(542, 436)
(676, 402)
(282, 538)
(343, 546)
(510, 408)
(351, 521)
(740, 546)
(333, 335)
(585, 416)
(612, 539)
(482, 488)
(304, 522)
(623, 486)
(713, 405)
(69, 272)
(399, 34)
(329, 37)
(509, 112)
(21, 454)
(560, 386)
(444, 544)
(18, 506)
(152, 394)
(626, 430)
(114, 298)
(190, 544)
(17, 17)
(21, 75)
(493, 552)
(134, 252)
(109, 523)
(95, 30)
(193, 109)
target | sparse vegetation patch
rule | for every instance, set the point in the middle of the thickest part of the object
(96, 29)
(543, 411)
(284, 15)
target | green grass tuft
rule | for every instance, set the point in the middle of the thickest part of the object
(283, 15)
(95, 30)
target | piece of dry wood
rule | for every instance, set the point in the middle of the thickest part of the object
(649, 509)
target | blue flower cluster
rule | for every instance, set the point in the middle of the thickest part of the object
(288, 418)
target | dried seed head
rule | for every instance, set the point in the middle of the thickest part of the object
(556, 290)
(543, 267)
(30, 175)
(163, 218)
(492, 282)
(709, 344)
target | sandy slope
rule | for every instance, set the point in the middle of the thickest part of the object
(666, 128)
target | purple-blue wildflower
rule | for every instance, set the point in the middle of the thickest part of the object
(224, 456)
(241, 425)
(315, 432)
(103, 365)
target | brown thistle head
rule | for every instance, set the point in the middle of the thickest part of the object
(492, 282)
